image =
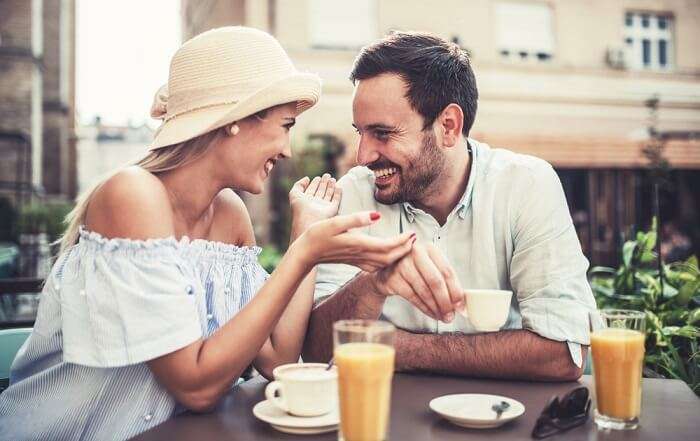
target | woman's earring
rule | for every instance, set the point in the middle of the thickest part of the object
(234, 129)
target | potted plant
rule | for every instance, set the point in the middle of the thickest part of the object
(670, 299)
(39, 226)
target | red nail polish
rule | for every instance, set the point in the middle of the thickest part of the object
(374, 216)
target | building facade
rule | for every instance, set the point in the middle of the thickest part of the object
(566, 80)
(37, 99)
(102, 148)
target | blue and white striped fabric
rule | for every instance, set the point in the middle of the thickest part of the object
(109, 306)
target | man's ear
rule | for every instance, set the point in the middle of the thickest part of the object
(450, 122)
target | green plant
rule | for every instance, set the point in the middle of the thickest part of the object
(43, 218)
(670, 298)
(308, 160)
(33, 219)
(269, 258)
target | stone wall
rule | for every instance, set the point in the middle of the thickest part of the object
(37, 45)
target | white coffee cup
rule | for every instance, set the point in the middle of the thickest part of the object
(305, 389)
(486, 309)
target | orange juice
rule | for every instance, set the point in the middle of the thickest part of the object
(618, 356)
(364, 386)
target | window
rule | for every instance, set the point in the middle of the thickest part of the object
(525, 31)
(649, 40)
(340, 24)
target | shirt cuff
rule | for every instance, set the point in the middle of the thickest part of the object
(576, 355)
(557, 319)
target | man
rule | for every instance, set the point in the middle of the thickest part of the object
(484, 218)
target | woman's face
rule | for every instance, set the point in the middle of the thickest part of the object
(247, 158)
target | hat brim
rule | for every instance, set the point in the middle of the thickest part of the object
(302, 88)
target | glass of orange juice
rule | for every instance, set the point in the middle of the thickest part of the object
(618, 357)
(364, 354)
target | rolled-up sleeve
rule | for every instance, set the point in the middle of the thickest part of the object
(548, 268)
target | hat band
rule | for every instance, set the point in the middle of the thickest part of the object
(168, 117)
(180, 103)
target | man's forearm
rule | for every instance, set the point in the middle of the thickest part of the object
(516, 354)
(356, 300)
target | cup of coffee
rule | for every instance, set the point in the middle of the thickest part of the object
(304, 389)
(487, 309)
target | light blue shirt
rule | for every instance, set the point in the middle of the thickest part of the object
(511, 230)
(108, 306)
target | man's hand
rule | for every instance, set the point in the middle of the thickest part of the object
(424, 278)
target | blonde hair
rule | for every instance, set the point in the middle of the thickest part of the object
(156, 161)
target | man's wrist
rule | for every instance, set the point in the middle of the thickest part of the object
(371, 285)
(362, 301)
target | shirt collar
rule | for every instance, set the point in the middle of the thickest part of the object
(464, 201)
(410, 211)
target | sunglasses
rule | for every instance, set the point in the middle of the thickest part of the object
(562, 414)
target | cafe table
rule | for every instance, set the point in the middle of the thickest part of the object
(670, 412)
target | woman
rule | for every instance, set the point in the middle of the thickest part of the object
(137, 320)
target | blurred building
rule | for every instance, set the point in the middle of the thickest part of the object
(565, 80)
(103, 148)
(37, 99)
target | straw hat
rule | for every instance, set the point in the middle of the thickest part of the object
(222, 76)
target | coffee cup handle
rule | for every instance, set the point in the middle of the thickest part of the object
(271, 395)
(463, 311)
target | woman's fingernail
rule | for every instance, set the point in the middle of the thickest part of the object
(449, 317)
(374, 216)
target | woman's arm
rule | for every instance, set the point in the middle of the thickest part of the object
(198, 374)
(134, 204)
(310, 201)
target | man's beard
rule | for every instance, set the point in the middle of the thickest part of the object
(415, 179)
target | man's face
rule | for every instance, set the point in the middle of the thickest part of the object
(405, 159)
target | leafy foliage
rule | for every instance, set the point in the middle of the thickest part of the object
(43, 218)
(670, 300)
(269, 258)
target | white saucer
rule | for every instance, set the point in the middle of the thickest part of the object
(474, 410)
(284, 422)
(311, 431)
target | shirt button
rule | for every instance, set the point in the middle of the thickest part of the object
(82, 292)
(210, 316)
(227, 290)
(148, 417)
(189, 289)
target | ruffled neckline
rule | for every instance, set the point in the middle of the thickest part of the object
(166, 242)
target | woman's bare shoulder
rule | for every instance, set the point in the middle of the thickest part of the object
(131, 204)
(231, 223)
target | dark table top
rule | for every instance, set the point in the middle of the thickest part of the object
(670, 411)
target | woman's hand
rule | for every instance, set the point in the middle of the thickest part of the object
(312, 201)
(331, 241)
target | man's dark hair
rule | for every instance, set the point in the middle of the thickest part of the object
(436, 71)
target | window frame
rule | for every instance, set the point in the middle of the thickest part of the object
(516, 54)
(641, 42)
